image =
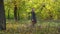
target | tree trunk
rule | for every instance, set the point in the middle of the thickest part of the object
(15, 13)
(2, 16)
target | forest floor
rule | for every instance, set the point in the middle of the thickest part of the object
(39, 28)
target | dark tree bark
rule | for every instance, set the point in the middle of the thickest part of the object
(15, 13)
(2, 16)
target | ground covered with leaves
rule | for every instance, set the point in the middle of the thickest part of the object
(39, 28)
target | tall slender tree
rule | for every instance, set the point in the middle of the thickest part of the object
(2, 16)
(15, 12)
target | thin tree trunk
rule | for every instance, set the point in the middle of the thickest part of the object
(15, 13)
(2, 16)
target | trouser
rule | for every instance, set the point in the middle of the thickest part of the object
(33, 23)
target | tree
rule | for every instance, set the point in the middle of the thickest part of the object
(2, 16)
(15, 12)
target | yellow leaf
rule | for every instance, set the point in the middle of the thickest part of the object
(48, 7)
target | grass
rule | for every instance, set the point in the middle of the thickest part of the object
(24, 28)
